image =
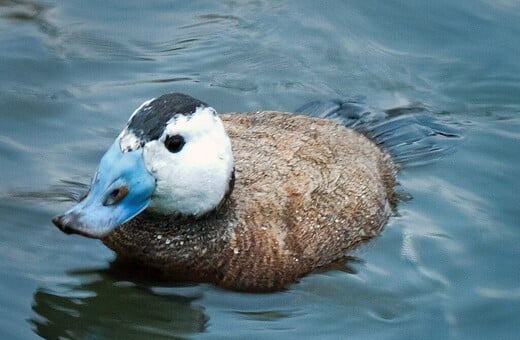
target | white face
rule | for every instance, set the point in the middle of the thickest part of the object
(193, 172)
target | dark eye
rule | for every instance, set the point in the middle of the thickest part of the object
(174, 143)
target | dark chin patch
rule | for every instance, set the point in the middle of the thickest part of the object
(149, 122)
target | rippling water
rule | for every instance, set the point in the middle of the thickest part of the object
(71, 72)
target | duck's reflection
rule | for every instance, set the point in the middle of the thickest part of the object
(108, 303)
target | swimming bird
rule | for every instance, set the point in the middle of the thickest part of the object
(247, 201)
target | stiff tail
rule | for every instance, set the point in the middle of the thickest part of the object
(412, 135)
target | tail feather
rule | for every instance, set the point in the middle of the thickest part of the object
(412, 135)
(351, 113)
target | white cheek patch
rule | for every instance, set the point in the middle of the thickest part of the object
(203, 121)
(153, 156)
(194, 180)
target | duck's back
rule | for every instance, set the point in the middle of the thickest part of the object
(306, 190)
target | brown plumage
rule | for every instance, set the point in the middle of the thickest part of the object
(306, 191)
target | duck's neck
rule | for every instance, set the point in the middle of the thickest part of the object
(190, 247)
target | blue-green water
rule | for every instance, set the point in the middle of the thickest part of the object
(447, 266)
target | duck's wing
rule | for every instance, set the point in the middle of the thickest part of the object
(412, 135)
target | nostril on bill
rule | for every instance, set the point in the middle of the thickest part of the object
(116, 195)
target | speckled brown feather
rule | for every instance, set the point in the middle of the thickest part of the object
(306, 190)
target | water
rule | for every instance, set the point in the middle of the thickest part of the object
(71, 72)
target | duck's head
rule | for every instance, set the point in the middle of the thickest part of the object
(173, 157)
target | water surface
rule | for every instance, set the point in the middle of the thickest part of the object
(446, 266)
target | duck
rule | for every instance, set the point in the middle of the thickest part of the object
(247, 201)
